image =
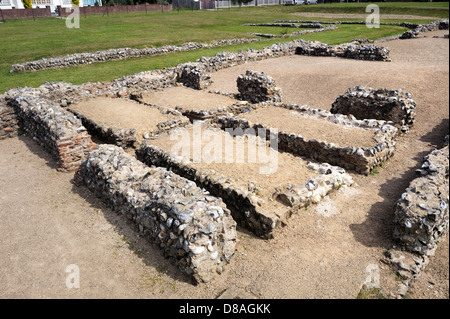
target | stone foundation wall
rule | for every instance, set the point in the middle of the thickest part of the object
(193, 75)
(9, 123)
(118, 54)
(193, 229)
(126, 137)
(421, 214)
(354, 50)
(382, 104)
(257, 87)
(421, 28)
(359, 159)
(244, 205)
(58, 131)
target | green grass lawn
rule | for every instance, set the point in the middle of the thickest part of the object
(431, 9)
(27, 40)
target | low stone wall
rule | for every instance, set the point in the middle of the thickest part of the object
(193, 229)
(244, 205)
(353, 50)
(421, 28)
(359, 159)
(126, 138)
(421, 214)
(400, 24)
(117, 54)
(296, 33)
(382, 104)
(286, 25)
(257, 87)
(9, 123)
(56, 130)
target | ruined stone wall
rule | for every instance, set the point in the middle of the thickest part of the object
(257, 87)
(9, 123)
(193, 229)
(355, 50)
(382, 104)
(56, 130)
(421, 214)
(118, 54)
(421, 28)
(359, 159)
(244, 205)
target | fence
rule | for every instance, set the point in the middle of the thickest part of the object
(212, 4)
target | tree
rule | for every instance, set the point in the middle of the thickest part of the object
(27, 4)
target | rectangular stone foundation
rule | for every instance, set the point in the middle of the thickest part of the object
(359, 158)
(260, 201)
(124, 122)
(195, 104)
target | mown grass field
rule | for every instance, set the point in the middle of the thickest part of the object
(27, 40)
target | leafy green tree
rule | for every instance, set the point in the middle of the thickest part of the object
(28, 4)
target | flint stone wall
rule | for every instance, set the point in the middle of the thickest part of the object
(382, 104)
(126, 137)
(354, 50)
(257, 87)
(359, 159)
(194, 231)
(421, 28)
(118, 54)
(193, 75)
(421, 214)
(56, 130)
(9, 123)
(243, 204)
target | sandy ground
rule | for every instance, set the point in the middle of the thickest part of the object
(309, 127)
(242, 160)
(123, 114)
(187, 99)
(48, 224)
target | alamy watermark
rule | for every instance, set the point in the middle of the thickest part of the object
(373, 19)
(73, 19)
(373, 279)
(73, 279)
(236, 146)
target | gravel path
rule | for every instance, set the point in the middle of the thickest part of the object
(48, 224)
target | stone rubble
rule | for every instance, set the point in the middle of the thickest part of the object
(194, 230)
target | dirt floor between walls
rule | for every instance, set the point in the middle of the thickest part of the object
(291, 121)
(48, 224)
